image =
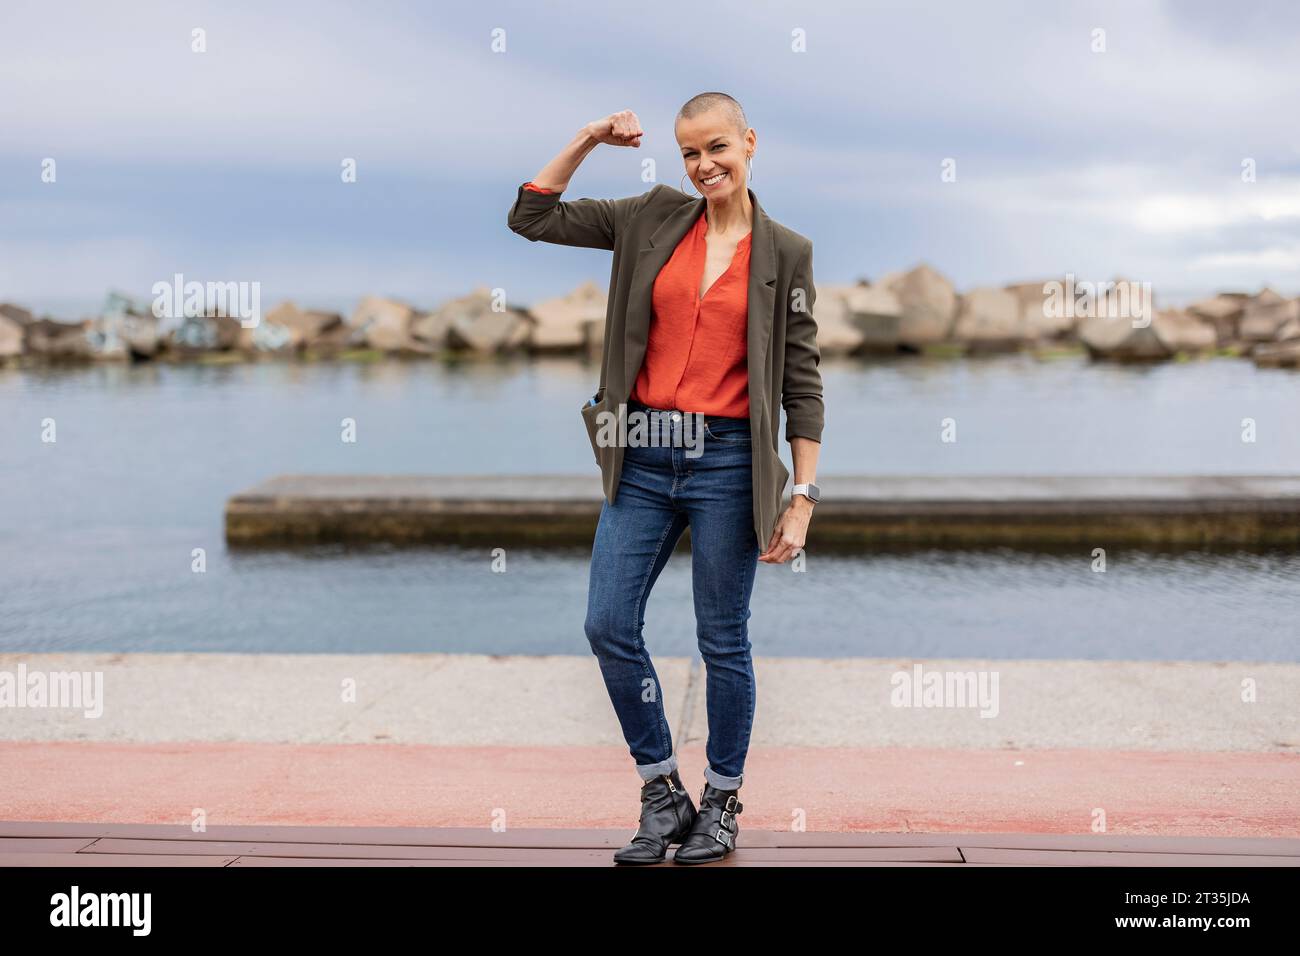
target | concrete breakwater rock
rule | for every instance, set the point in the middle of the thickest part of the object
(917, 311)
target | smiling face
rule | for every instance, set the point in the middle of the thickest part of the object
(714, 152)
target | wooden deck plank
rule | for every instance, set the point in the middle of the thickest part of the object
(394, 836)
(612, 839)
(271, 861)
(331, 851)
(109, 859)
(59, 845)
(1265, 846)
(1030, 857)
(948, 854)
(278, 861)
(127, 843)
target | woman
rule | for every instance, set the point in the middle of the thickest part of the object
(709, 330)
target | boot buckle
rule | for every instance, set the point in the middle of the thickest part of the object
(724, 837)
(723, 819)
(732, 805)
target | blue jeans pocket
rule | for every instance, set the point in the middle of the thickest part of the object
(729, 431)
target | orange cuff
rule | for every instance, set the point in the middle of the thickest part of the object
(538, 189)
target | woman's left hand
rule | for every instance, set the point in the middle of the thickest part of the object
(790, 532)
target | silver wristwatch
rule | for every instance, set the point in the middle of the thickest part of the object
(808, 490)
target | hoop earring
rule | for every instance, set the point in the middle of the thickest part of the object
(696, 195)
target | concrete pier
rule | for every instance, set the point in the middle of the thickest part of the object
(857, 513)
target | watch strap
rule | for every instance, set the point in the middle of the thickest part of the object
(806, 489)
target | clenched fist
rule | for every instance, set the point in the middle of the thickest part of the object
(617, 129)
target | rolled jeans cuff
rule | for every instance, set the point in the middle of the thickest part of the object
(720, 782)
(651, 770)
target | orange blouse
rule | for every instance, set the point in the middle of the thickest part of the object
(697, 350)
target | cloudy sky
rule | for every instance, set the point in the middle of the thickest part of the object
(226, 164)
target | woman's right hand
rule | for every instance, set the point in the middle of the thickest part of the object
(617, 129)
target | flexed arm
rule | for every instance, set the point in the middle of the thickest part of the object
(592, 223)
(617, 129)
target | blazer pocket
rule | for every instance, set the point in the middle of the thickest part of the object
(590, 409)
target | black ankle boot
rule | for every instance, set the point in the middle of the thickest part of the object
(713, 835)
(667, 813)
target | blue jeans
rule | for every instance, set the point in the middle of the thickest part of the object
(662, 490)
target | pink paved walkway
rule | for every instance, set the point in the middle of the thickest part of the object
(882, 790)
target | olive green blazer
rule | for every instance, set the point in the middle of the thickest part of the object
(783, 357)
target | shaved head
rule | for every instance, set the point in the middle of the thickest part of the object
(705, 102)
